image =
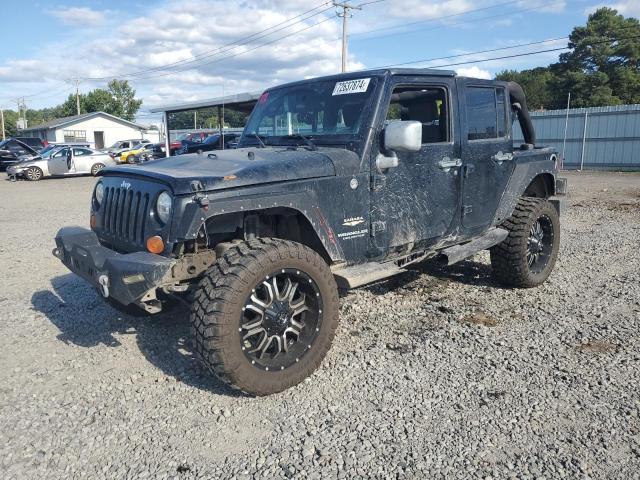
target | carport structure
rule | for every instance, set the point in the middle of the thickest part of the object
(226, 113)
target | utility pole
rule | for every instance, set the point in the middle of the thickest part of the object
(2, 121)
(22, 114)
(345, 15)
(77, 82)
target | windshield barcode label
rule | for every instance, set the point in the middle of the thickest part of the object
(351, 86)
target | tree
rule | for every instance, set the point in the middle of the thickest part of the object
(118, 99)
(602, 68)
(123, 102)
(98, 100)
(537, 85)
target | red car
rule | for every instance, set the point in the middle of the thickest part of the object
(196, 137)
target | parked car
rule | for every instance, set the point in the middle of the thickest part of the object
(120, 146)
(337, 182)
(65, 161)
(34, 142)
(129, 156)
(159, 150)
(13, 151)
(195, 137)
(46, 151)
(212, 142)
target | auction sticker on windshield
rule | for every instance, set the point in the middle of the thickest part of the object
(351, 86)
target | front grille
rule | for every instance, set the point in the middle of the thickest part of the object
(124, 215)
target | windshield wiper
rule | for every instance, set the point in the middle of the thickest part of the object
(306, 140)
(257, 137)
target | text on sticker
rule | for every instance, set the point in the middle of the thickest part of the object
(351, 86)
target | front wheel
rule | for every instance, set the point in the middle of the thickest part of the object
(528, 254)
(264, 315)
(96, 168)
(33, 174)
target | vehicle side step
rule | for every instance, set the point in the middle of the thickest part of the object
(358, 275)
(454, 254)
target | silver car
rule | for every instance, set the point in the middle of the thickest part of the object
(64, 161)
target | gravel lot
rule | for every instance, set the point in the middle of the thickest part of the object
(436, 373)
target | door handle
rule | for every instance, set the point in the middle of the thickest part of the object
(448, 163)
(502, 157)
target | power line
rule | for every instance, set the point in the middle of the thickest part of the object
(228, 46)
(505, 56)
(462, 22)
(481, 51)
(164, 74)
(438, 19)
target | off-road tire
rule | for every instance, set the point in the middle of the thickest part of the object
(509, 258)
(217, 309)
(96, 168)
(33, 174)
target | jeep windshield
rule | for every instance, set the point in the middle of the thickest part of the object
(324, 111)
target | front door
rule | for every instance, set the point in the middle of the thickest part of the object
(419, 199)
(98, 140)
(58, 162)
(487, 150)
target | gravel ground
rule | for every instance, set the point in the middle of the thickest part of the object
(436, 373)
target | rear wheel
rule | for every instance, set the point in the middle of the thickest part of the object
(96, 168)
(264, 315)
(528, 254)
(33, 174)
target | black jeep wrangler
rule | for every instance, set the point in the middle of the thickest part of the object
(337, 182)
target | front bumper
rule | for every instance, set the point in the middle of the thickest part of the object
(15, 170)
(124, 277)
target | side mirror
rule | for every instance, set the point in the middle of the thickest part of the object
(404, 136)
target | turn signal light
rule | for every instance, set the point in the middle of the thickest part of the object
(155, 244)
(93, 222)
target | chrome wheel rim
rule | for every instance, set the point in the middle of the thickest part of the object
(540, 244)
(280, 320)
(33, 174)
(96, 169)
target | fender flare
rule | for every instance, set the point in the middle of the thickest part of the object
(523, 174)
(305, 204)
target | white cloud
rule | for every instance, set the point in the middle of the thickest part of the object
(177, 32)
(628, 8)
(474, 72)
(81, 16)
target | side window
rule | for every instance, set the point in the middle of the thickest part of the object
(13, 146)
(61, 153)
(80, 152)
(486, 113)
(427, 105)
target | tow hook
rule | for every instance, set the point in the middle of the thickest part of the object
(103, 281)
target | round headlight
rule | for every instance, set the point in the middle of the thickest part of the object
(99, 193)
(163, 207)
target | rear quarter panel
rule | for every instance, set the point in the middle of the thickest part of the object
(528, 164)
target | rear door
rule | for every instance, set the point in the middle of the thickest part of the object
(83, 159)
(419, 199)
(486, 150)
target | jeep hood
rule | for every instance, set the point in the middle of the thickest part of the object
(237, 168)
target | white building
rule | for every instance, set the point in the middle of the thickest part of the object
(99, 129)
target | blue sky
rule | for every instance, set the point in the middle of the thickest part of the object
(48, 42)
